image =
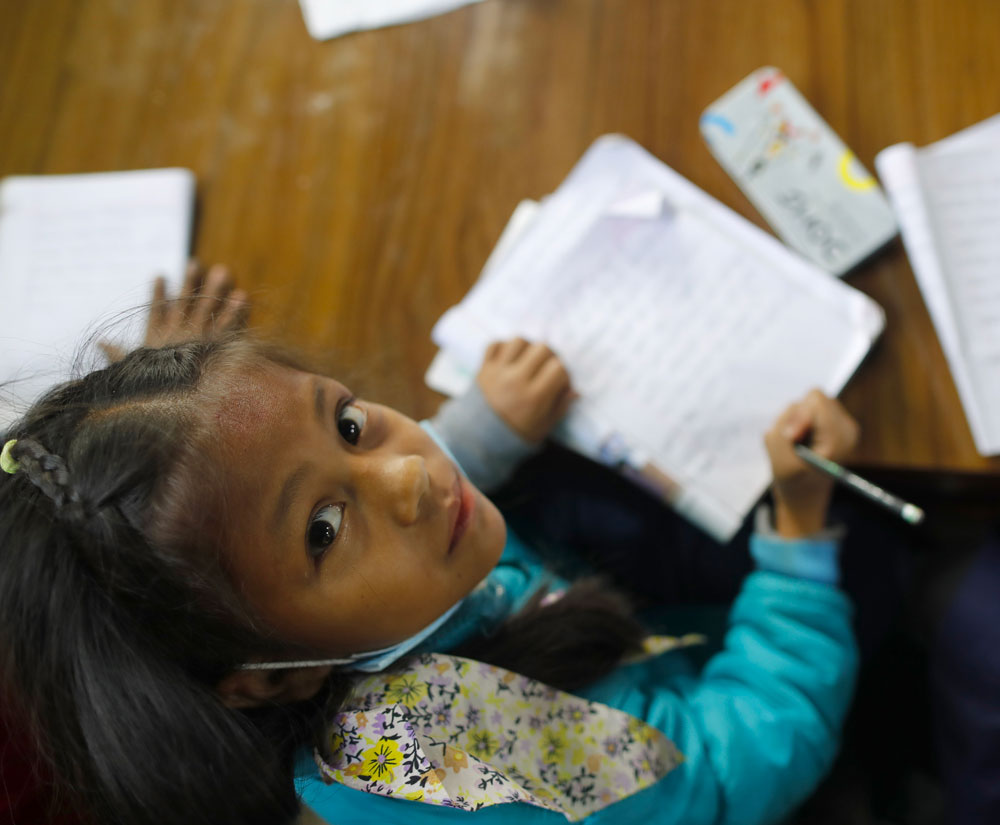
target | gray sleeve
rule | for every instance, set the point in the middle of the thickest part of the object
(483, 445)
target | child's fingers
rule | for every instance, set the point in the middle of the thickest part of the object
(829, 427)
(158, 302)
(795, 422)
(194, 276)
(835, 432)
(511, 349)
(158, 321)
(214, 291)
(112, 352)
(791, 427)
(562, 402)
(552, 379)
(219, 282)
(158, 307)
(492, 351)
(778, 441)
(235, 311)
(533, 358)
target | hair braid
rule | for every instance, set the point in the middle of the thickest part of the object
(49, 473)
(117, 617)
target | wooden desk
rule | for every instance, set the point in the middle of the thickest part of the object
(357, 185)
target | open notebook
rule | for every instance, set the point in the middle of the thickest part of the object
(78, 254)
(685, 328)
(947, 199)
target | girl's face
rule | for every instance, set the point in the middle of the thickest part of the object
(347, 528)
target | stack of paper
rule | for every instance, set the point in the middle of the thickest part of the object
(330, 18)
(78, 254)
(947, 199)
(685, 328)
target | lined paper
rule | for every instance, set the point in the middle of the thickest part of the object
(685, 329)
(963, 195)
(947, 198)
(78, 254)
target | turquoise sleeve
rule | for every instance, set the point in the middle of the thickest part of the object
(816, 559)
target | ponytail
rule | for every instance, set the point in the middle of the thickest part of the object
(566, 642)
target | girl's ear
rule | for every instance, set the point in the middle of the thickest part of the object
(253, 688)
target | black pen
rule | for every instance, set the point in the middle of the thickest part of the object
(910, 513)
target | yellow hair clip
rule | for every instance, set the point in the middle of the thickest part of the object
(7, 462)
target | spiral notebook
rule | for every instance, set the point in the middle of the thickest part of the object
(685, 328)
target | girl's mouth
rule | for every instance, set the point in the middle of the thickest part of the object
(466, 506)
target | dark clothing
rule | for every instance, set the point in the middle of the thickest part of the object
(965, 691)
(655, 553)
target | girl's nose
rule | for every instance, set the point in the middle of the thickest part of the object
(409, 488)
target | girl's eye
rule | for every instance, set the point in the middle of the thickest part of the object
(350, 422)
(323, 529)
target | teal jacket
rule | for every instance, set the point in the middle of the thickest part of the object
(758, 724)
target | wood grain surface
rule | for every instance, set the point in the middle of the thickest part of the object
(357, 185)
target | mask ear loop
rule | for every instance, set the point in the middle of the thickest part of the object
(371, 662)
(312, 662)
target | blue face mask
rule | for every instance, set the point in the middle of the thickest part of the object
(374, 660)
(371, 662)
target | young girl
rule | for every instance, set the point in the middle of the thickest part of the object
(220, 569)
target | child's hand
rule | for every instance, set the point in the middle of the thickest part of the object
(801, 493)
(208, 305)
(526, 385)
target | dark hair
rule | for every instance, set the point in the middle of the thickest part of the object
(117, 616)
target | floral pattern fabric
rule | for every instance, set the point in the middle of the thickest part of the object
(451, 731)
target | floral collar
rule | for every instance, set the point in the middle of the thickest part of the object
(450, 731)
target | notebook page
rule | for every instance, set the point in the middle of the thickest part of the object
(77, 252)
(679, 336)
(901, 169)
(969, 137)
(446, 374)
(962, 190)
(450, 376)
(551, 233)
(897, 167)
(692, 367)
(616, 170)
(690, 346)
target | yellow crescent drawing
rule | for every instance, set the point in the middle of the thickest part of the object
(851, 182)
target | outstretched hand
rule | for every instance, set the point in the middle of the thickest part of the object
(207, 305)
(801, 493)
(526, 385)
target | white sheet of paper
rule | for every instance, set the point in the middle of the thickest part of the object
(330, 18)
(685, 328)
(78, 254)
(446, 373)
(947, 197)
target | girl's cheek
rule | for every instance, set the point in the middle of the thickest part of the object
(495, 527)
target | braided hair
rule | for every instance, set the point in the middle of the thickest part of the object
(116, 616)
(49, 474)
